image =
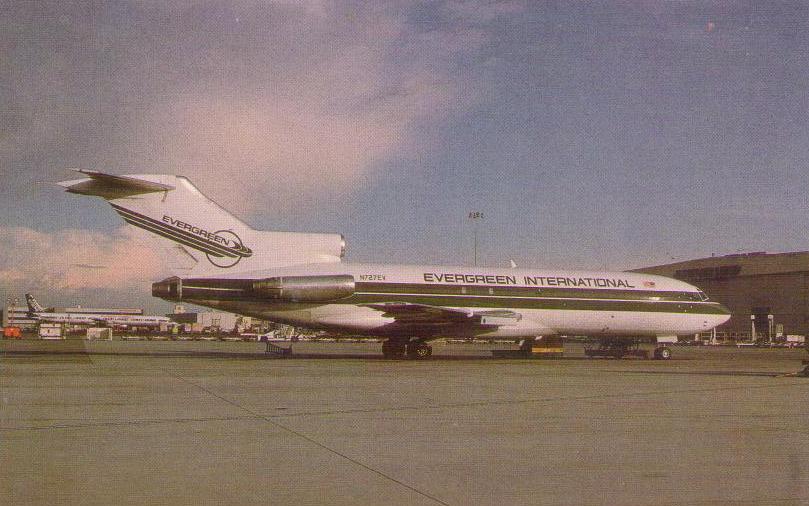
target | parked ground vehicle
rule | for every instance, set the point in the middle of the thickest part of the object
(12, 333)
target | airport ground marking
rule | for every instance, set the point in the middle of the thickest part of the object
(270, 419)
(124, 423)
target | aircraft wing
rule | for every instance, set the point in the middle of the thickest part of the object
(406, 313)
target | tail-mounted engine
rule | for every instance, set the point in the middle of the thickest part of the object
(279, 289)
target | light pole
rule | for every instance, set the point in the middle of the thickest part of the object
(753, 328)
(475, 216)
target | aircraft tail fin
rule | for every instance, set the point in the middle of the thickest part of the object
(204, 237)
(33, 305)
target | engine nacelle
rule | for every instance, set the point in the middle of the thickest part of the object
(280, 289)
(305, 288)
(168, 289)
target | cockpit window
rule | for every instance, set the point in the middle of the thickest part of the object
(702, 296)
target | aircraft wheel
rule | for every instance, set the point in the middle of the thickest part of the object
(662, 353)
(419, 350)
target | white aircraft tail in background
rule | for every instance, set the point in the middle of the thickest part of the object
(207, 238)
(33, 305)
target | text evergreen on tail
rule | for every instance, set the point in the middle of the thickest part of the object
(172, 208)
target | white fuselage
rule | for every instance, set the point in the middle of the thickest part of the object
(100, 318)
(547, 301)
(136, 321)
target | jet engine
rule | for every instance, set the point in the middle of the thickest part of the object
(279, 289)
(305, 288)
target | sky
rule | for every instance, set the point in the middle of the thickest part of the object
(589, 134)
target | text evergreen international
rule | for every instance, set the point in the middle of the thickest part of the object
(489, 279)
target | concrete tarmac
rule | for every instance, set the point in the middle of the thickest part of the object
(218, 423)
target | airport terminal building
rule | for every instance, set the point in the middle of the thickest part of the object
(768, 294)
(17, 316)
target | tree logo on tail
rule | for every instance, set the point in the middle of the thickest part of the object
(236, 247)
(223, 248)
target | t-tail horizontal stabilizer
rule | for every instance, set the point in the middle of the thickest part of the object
(110, 186)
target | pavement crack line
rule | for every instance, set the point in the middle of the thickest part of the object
(310, 440)
(516, 402)
(123, 423)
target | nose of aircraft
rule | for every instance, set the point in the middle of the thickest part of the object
(724, 312)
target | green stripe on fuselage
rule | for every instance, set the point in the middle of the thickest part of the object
(527, 291)
(565, 299)
(707, 308)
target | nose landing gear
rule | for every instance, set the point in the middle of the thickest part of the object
(419, 350)
(398, 349)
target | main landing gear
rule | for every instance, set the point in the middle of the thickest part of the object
(396, 349)
(620, 348)
(662, 353)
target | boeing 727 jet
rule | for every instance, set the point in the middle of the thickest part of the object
(300, 279)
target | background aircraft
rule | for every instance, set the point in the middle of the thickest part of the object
(36, 311)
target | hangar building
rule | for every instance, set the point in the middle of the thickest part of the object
(17, 316)
(767, 293)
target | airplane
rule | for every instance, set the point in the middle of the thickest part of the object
(300, 279)
(37, 312)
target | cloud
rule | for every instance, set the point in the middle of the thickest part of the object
(264, 104)
(267, 106)
(483, 12)
(348, 91)
(73, 260)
